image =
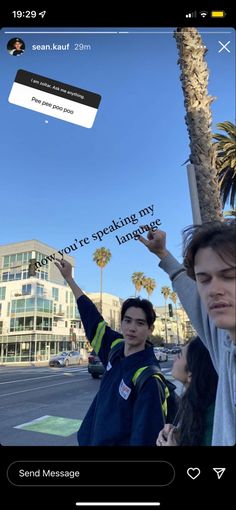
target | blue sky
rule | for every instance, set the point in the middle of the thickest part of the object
(61, 181)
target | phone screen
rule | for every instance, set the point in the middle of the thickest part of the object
(96, 151)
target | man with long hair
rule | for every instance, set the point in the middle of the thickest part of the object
(206, 286)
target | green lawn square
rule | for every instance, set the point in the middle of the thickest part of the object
(53, 425)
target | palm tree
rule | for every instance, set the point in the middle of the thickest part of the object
(197, 101)
(173, 297)
(226, 162)
(166, 292)
(137, 280)
(149, 285)
(101, 256)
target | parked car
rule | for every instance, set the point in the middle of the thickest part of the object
(66, 358)
(95, 366)
(160, 355)
(175, 350)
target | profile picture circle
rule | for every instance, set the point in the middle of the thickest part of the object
(16, 47)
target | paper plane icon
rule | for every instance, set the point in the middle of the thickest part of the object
(219, 472)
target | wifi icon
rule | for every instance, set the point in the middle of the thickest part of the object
(203, 14)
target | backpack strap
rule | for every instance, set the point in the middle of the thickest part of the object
(115, 347)
(142, 374)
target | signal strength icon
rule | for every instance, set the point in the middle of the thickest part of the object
(203, 14)
(191, 14)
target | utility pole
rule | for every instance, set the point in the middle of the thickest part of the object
(197, 220)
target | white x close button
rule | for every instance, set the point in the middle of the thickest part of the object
(224, 46)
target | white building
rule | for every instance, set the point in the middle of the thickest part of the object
(38, 314)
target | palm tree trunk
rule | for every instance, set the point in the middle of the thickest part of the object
(194, 78)
(101, 291)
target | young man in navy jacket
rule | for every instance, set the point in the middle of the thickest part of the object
(119, 415)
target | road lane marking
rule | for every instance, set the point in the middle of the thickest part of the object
(42, 377)
(33, 389)
(55, 425)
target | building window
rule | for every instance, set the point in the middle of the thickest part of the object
(6, 261)
(43, 275)
(23, 305)
(29, 305)
(0, 308)
(22, 324)
(44, 323)
(55, 293)
(29, 323)
(19, 257)
(44, 305)
(16, 259)
(39, 289)
(2, 292)
(76, 313)
(26, 289)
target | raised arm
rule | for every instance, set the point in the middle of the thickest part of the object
(65, 269)
(184, 286)
(99, 334)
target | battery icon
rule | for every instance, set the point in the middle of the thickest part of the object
(217, 14)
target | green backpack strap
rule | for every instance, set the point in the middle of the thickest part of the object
(142, 374)
(115, 347)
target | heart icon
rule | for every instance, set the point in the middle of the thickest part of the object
(193, 472)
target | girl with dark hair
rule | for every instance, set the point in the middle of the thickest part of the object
(194, 368)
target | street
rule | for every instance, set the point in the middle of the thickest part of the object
(30, 393)
(44, 406)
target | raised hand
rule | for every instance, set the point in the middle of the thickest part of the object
(155, 242)
(65, 268)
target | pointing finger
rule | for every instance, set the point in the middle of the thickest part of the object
(143, 240)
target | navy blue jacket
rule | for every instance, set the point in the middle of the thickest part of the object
(117, 415)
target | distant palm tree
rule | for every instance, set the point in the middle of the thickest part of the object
(101, 256)
(194, 78)
(173, 297)
(149, 285)
(226, 162)
(137, 280)
(166, 292)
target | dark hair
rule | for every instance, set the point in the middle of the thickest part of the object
(146, 306)
(220, 236)
(199, 395)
